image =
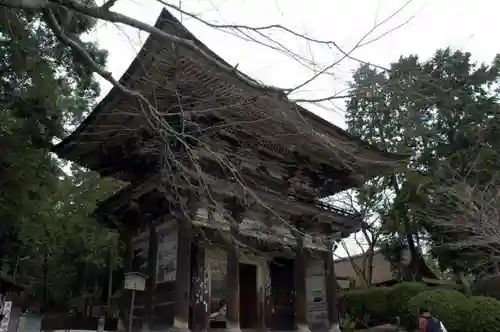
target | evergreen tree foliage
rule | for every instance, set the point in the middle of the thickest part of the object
(444, 112)
(46, 234)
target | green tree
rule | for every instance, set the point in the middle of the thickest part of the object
(44, 212)
(444, 112)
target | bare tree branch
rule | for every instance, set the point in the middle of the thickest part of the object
(25, 4)
(104, 13)
(468, 219)
(188, 171)
(115, 17)
(108, 4)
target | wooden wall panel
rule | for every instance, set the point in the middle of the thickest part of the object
(316, 295)
(164, 298)
(167, 248)
(256, 225)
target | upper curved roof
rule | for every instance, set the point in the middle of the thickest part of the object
(68, 147)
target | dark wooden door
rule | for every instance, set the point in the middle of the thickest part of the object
(248, 296)
(282, 294)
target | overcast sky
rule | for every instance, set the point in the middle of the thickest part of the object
(431, 24)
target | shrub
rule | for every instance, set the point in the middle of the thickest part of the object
(363, 304)
(376, 301)
(401, 293)
(458, 312)
(379, 304)
(485, 314)
(347, 324)
(398, 297)
(353, 304)
(452, 307)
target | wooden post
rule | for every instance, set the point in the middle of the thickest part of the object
(126, 236)
(233, 290)
(267, 319)
(152, 262)
(128, 260)
(331, 289)
(131, 312)
(233, 268)
(183, 273)
(299, 277)
(200, 298)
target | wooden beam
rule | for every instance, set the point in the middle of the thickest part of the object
(128, 261)
(331, 289)
(127, 195)
(278, 203)
(278, 199)
(313, 182)
(299, 278)
(247, 244)
(233, 267)
(200, 297)
(233, 291)
(183, 273)
(267, 317)
(126, 237)
(152, 262)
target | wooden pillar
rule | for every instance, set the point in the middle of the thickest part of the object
(152, 262)
(183, 273)
(267, 319)
(200, 297)
(233, 286)
(233, 290)
(299, 278)
(233, 267)
(331, 289)
(126, 237)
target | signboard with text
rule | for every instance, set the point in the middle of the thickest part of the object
(4, 324)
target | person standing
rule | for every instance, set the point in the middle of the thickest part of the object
(429, 323)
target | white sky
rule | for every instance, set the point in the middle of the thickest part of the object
(433, 24)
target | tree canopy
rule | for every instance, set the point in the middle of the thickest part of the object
(444, 113)
(46, 234)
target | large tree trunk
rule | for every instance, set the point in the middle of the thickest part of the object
(369, 268)
(413, 272)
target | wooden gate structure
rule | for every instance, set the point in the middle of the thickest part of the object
(224, 173)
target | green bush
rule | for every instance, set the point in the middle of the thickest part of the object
(376, 301)
(354, 304)
(452, 307)
(398, 299)
(401, 293)
(458, 312)
(485, 314)
(380, 304)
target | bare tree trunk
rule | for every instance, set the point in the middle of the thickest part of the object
(413, 273)
(371, 255)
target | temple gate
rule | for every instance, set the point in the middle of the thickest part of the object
(223, 206)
